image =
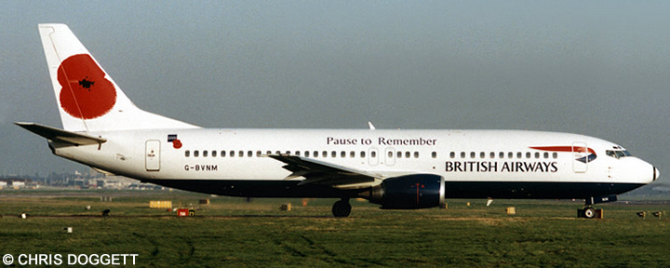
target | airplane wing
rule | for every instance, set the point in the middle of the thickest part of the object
(323, 173)
(55, 134)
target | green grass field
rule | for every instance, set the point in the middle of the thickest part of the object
(233, 232)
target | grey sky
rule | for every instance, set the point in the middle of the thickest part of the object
(600, 68)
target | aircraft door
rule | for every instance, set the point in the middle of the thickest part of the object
(580, 159)
(153, 155)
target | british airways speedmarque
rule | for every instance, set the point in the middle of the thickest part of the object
(398, 169)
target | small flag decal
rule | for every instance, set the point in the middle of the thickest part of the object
(176, 143)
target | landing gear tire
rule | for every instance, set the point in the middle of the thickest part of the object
(589, 213)
(342, 208)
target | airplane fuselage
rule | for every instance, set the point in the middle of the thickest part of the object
(473, 163)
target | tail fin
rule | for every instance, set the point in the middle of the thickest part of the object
(88, 98)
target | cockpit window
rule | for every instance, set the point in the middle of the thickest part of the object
(618, 153)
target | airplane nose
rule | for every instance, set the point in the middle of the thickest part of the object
(657, 173)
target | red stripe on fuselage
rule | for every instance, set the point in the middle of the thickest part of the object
(565, 149)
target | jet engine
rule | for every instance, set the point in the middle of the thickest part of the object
(409, 192)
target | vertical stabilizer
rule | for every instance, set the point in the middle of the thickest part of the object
(88, 98)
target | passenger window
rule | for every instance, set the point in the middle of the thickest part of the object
(527, 154)
(297, 153)
(306, 153)
(258, 153)
(316, 153)
(223, 153)
(472, 154)
(462, 154)
(352, 154)
(232, 153)
(204, 153)
(390, 154)
(241, 154)
(510, 155)
(269, 152)
(343, 154)
(452, 155)
(362, 154)
(434, 154)
(187, 153)
(196, 153)
(519, 155)
(213, 153)
(333, 154)
(546, 155)
(501, 155)
(373, 154)
(407, 154)
(554, 155)
(416, 154)
(493, 155)
(537, 155)
(482, 155)
(399, 155)
(325, 154)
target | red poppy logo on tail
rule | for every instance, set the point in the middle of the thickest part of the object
(86, 93)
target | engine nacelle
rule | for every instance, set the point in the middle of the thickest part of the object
(409, 192)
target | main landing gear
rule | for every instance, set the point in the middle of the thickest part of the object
(342, 208)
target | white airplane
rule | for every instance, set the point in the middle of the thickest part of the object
(398, 169)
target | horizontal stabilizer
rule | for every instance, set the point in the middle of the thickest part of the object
(55, 134)
(103, 172)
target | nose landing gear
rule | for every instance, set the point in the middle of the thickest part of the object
(589, 212)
